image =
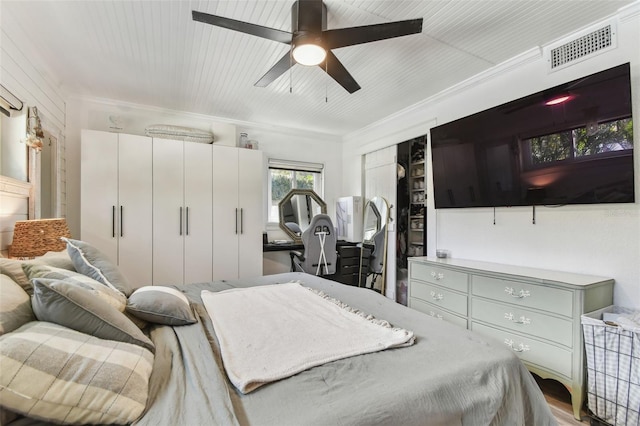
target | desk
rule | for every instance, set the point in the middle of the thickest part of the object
(276, 259)
(288, 246)
(282, 246)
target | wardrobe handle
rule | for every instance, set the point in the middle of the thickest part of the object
(241, 222)
(113, 221)
(121, 227)
(187, 219)
(180, 220)
(236, 220)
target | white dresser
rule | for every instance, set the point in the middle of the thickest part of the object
(535, 312)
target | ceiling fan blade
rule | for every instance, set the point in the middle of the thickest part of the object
(243, 27)
(276, 71)
(339, 73)
(343, 37)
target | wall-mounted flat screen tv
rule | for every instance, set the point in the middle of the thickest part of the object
(570, 144)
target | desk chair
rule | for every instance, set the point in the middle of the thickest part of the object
(320, 255)
(376, 261)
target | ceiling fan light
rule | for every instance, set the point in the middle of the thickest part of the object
(309, 54)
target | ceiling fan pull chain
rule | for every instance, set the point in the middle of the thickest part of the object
(326, 82)
(290, 73)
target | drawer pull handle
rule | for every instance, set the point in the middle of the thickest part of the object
(522, 320)
(437, 276)
(433, 314)
(520, 348)
(518, 295)
(437, 296)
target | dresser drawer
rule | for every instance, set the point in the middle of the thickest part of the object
(350, 261)
(439, 296)
(542, 354)
(521, 294)
(436, 312)
(522, 320)
(441, 276)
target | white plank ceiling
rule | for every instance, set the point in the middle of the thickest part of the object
(153, 53)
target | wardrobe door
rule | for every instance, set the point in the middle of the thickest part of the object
(198, 204)
(168, 212)
(226, 213)
(250, 192)
(99, 191)
(134, 213)
(116, 200)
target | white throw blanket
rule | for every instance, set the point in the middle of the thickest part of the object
(267, 333)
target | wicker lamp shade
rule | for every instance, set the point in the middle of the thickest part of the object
(36, 237)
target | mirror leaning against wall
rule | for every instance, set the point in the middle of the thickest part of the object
(374, 244)
(296, 210)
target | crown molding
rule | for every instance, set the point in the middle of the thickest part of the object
(240, 124)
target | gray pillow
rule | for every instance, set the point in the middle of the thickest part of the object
(78, 308)
(161, 305)
(15, 305)
(91, 262)
(109, 295)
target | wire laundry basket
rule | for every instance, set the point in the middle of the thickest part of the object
(613, 369)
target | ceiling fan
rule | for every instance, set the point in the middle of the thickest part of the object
(311, 42)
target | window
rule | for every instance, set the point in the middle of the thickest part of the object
(578, 143)
(285, 175)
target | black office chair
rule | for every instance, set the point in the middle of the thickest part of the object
(320, 255)
(376, 260)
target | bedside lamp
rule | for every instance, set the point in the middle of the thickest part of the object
(33, 238)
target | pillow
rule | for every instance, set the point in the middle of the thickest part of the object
(53, 373)
(13, 267)
(58, 259)
(91, 262)
(15, 305)
(161, 305)
(101, 291)
(78, 308)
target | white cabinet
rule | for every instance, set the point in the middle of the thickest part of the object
(237, 212)
(534, 312)
(116, 217)
(182, 212)
(172, 212)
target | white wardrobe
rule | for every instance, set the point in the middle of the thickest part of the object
(237, 212)
(203, 214)
(182, 212)
(116, 200)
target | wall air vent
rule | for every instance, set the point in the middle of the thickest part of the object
(585, 45)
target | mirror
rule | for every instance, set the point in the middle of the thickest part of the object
(374, 243)
(296, 209)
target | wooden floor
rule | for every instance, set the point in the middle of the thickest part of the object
(559, 400)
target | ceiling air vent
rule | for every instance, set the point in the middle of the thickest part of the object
(582, 47)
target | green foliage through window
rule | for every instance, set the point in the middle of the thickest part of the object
(616, 135)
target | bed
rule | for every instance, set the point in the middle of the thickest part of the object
(448, 376)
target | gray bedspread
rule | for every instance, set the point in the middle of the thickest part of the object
(450, 376)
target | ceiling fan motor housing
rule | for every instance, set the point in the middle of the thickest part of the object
(308, 16)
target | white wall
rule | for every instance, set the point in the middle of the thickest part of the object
(133, 119)
(596, 239)
(28, 79)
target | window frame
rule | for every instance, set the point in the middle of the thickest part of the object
(295, 167)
